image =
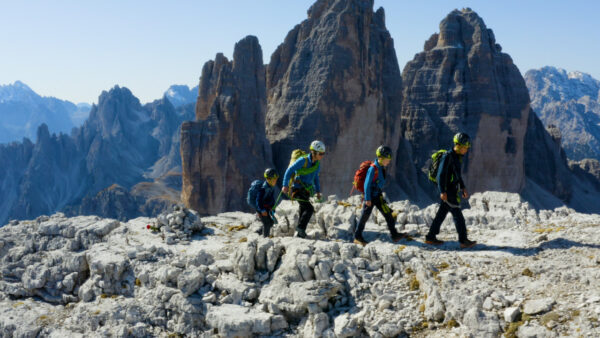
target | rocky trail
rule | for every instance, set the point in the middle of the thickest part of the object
(533, 274)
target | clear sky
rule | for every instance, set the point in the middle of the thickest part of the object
(75, 49)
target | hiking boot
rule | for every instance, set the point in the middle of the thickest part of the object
(300, 233)
(398, 236)
(433, 241)
(360, 241)
(467, 244)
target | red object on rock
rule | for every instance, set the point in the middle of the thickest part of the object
(148, 226)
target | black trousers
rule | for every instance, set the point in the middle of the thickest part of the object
(302, 196)
(380, 203)
(459, 220)
(267, 222)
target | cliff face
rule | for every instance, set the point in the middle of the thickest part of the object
(463, 82)
(226, 148)
(335, 78)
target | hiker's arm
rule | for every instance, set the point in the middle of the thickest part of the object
(259, 202)
(289, 172)
(442, 174)
(317, 182)
(368, 180)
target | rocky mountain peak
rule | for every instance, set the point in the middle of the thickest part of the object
(226, 148)
(335, 78)
(463, 82)
(465, 29)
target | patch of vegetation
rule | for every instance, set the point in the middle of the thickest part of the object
(243, 240)
(548, 230)
(43, 320)
(414, 284)
(17, 304)
(409, 271)
(232, 228)
(452, 323)
(422, 307)
(527, 272)
(443, 265)
(344, 204)
(511, 330)
(138, 282)
(400, 248)
(548, 317)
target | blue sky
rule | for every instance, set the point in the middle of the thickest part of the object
(75, 49)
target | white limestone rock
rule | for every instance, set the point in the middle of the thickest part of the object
(535, 306)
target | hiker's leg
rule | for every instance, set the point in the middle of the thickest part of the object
(434, 229)
(267, 225)
(306, 208)
(366, 212)
(459, 223)
(386, 211)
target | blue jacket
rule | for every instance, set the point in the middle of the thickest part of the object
(308, 180)
(374, 187)
(265, 199)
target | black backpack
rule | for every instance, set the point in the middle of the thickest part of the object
(434, 166)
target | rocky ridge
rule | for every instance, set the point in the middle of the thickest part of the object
(533, 274)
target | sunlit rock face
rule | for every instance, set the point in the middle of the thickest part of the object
(226, 148)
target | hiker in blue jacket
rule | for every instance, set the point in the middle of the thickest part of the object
(265, 200)
(450, 184)
(306, 182)
(374, 183)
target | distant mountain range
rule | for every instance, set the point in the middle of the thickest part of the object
(570, 101)
(180, 95)
(122, 162)
(22, 110)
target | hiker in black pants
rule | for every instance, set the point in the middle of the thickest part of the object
(306, 182)
(373, 196)
(450, 183)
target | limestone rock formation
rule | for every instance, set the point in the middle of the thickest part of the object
(570, 101)
(226, 148)
(200, 277)
(463, 82)
(335, 78)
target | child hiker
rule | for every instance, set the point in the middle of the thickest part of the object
(261, 197)
(373, 196)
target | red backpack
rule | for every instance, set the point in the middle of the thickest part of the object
(361, 174)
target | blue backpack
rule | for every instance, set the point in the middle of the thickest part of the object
(253, 192)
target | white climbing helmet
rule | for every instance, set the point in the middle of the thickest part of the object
(317, 146)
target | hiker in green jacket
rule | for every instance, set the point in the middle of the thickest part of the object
(450, 184)
(306, 182)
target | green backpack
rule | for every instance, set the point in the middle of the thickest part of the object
(296, 154)
(434, 166)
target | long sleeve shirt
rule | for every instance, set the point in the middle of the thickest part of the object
(307, 180)
(265, 199)
(374, 187)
